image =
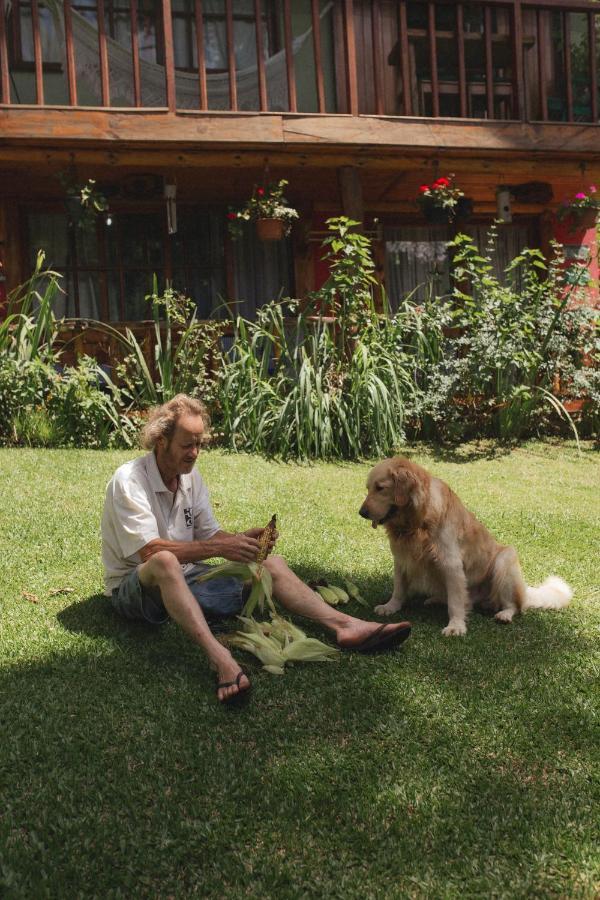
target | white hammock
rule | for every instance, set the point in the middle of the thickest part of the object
(152, 76)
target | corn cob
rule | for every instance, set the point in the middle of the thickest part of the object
(268, 534)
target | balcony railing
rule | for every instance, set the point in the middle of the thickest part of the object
(525, 60)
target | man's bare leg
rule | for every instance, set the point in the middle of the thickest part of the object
(163, 571)
(298, 598)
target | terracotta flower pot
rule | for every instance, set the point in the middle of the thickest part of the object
(270, 229)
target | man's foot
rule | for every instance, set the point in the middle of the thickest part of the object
(232, 682)
(368, 637)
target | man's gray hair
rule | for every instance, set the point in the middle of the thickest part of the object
(163, 419)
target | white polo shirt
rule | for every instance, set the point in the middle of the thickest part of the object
(139, 508)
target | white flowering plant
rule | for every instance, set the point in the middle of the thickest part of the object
(266, 202)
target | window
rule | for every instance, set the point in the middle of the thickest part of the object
(109, 270)
(417, 256)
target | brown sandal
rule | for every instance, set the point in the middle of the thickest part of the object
(242, 693)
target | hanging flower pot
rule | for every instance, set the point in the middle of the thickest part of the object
(436, 215)
(270, 229)
(581, 213)
(269, 209)
(463, 209)
(438, 201)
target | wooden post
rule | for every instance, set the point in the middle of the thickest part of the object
(350, 48)
(289, 56)
(435, 94)
(70, 53)
(230, 55)
(135, 53)
(405, 59)
(316, 27)
(4, 74)
(351, 192)
(462, 70)
(489, 69)
(376, 43)
(102, 49)
(519, 76)
(169, 56)
(260, 57)
(568, 68)
(200, 53)
(542, 46)
(593, 65)
(37, 53)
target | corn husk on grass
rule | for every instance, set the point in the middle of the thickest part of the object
(279, 642)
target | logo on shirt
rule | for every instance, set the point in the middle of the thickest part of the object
(189, 519)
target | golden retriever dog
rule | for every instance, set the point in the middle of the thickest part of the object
(443, 552)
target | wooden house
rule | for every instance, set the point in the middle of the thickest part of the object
(355, 102)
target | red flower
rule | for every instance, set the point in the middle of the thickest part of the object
(260, 192)
(441, 183)
(423, 188)
(232, 215)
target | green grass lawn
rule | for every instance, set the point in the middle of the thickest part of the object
(452, 768)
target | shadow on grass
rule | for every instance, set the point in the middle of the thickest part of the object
(376, 776)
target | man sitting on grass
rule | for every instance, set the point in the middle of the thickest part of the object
(158, 525)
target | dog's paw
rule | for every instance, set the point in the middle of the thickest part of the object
(504, 616)
(387, 609)
(455, 629)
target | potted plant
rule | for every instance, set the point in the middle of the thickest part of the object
(581, 212)
(269, 209)
(440, 200)
(83, 202)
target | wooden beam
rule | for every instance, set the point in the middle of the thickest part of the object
(173, 135)
(169, 65)
(4, 73)
(70, 53)
(103, 51)
(489, 65)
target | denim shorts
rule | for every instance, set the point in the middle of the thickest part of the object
(218, 598)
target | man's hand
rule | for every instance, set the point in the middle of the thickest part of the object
(256, 533)
(242, 547)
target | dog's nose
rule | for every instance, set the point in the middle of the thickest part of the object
(363, 511)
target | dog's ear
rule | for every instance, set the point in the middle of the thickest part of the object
(409, 487)
(404, 485)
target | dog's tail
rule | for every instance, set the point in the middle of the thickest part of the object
(554, 593)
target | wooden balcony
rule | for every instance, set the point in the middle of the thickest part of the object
(509, 62)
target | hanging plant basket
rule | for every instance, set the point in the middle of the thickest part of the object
(463, 209)
(583, 220)
(270, 229)
(436, 215)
